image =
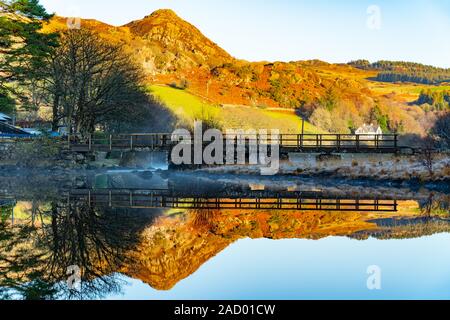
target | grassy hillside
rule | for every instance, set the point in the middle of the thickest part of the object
(405, 92)
(188, 107)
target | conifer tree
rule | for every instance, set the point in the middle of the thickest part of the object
(23, 48)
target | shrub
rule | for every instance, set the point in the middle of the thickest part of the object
(184, 84)
(209, 118)
(28, 152)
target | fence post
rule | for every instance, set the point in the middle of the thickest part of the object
(131, 142)
(90, 142)
(110, 142)
(357, 142)
(395, 141)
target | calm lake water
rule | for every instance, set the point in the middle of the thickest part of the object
(332, 268)
(158, 235)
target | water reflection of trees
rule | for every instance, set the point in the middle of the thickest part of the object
(436, 205)
(34, 257)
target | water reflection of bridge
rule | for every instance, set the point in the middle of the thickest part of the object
(307, 201)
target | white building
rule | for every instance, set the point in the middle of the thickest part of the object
(369, 131)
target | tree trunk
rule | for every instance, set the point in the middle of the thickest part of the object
(55, 114)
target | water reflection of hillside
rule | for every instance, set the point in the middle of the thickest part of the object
(406, 228)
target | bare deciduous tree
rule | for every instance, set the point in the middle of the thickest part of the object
(441, 130)
(428, 145)
(91, 82)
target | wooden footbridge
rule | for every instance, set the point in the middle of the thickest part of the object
(162, 198)
(288, 143)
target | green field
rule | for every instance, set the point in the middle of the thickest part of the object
(188, 107)
(405, 89)
(23, 212)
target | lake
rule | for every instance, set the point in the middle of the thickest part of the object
(151, 235)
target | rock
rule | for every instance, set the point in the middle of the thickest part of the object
(79, 157)
(99, 156)
(328, 157)
(115, 154)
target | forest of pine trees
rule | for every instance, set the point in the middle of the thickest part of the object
(437, 100)
(399, 71)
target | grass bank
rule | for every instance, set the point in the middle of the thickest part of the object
(188, 107)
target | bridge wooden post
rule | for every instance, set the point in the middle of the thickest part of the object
(396, 141)
(110, 142)
(131, 142)
(163, 140)
(357, 142)
(90, 142)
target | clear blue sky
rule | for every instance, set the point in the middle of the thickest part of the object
(334, 31)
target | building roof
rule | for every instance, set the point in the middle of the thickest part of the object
(9, 129)
(368, 129)
(4, 117)
(32, 131)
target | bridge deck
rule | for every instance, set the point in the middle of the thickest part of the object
(288, 143)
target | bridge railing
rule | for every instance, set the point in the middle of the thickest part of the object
(298, 142)
(339, 141)
(119, 141)
(165, 199)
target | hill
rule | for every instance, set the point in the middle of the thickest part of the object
(176, 44)
(400, 71)
(187, 108)
(174, 52)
